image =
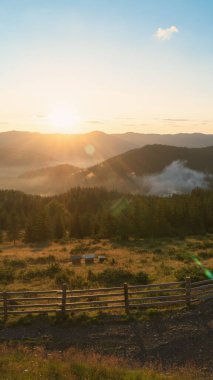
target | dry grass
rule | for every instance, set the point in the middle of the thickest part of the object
(22, 363)
(158, 258)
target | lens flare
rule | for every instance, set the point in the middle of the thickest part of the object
(206, 271)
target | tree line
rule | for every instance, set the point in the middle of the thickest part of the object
(96, 212)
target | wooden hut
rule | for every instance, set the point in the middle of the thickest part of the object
(101, 259)
(76, 259)
(89, 259)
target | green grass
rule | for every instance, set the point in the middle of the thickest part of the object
(22, 363)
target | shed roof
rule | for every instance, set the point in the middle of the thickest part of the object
(89, 256)
(76, 257)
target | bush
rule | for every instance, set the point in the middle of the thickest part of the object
(32, 274)
(6, 276)
(206, 255)
(62, 278)
(195, 272)
(116, 277)
(15, 263)
(50, 271)
(183, 256)
(42, 260)
(53, 269)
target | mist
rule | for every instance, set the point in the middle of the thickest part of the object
(174, 179)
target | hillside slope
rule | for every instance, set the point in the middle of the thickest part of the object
(176, 167)
(35, 150)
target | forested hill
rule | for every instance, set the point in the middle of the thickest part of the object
(186, 168)
(59, 172)
(154, 158)
(96, 212)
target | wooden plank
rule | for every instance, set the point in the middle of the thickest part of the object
(96, 308)
(177, 290)
(206, 297)
(5, 305)
(157, 304)
(64, 298)
(165, 285)
(34, 299)
(126, 298)
(94, 290)
(202, 293)
(32, 305)
(95, 296)
(33, 311)
(199, 290)
(175, 297)
(188, 290)
(33, 292)
(210, 286)
(201, 282)
(95, 302)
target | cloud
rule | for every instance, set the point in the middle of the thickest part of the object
(176, 178)
(40, 116)
(166, 34)
(181, 120)
(94, 122)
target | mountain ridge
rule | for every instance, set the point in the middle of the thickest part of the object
(125, 171)
(37, 150)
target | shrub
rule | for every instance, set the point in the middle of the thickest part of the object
(141, 278)
(158, 250)
(116, 277)
(195, 272)
(32, 274)
(53, 269)
(183, 256)
(14, 263)
(6, 276)
(206, 255)
(62, 278)
(50, 271)
(42, 260)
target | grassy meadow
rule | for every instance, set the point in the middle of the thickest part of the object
(46, 267)
(23, 363)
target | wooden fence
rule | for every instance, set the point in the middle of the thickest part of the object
(127, 297)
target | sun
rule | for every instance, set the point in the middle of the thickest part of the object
(62, 120)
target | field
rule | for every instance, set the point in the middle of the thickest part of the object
(26, 364)
(47, 267)
(146, 345)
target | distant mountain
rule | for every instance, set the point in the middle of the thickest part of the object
(46, 181)
(189, 140)
(35, 150)
(58, 172)
(38, 150)
(172, 169)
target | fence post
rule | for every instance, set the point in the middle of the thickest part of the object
(5, 304)
(188, 290)
(64, 299)
(126, 298)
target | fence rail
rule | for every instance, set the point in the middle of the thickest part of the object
(127, 297)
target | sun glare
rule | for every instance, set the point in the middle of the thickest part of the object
(62, 120)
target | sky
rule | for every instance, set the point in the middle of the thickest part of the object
(73, 66)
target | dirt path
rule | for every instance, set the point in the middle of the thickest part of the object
(176, 339)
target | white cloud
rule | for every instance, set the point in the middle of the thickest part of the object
(166, 34)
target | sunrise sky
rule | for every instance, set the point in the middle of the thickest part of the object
(74, 66)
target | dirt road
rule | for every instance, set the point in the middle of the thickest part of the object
(175, 339)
